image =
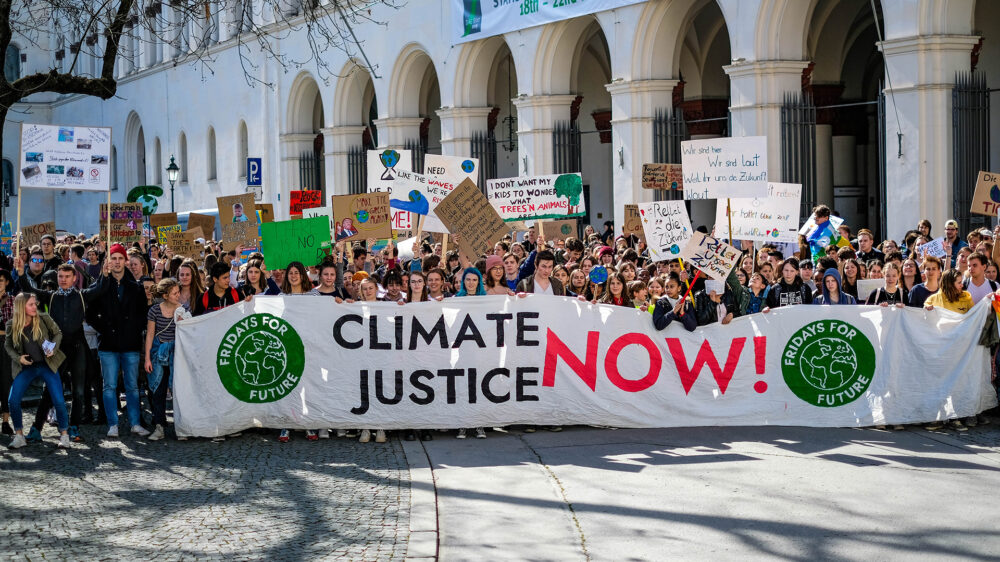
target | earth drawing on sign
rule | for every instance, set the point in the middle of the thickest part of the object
(260, 359)
(828, 363)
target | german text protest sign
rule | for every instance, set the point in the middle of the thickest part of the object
(32, 234)
(66, 157)
(774, 218)
(633, 222)
(725, 167)
(712, 256)
(986, 198)
(303, 241)
(447, 172)
(555, 196)
(298, 200)
(360, 217)
(667, 227)
(467, 213)
(126, 221)
(308, 363)
(662, 176)
(238, 219)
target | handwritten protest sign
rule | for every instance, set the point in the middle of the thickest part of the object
(725, 167)
(467, 213)
(163, 231)
(303, 199)
(238, 220)
(448, 172)
(556, 196)
(183, 244)
(265, 212)
(205, 222)
(933, 248)
(162, 219)
(667, 228)
(6, 237)
(866, 287)
(633, 222)
(360, 217)
(556, 229)
(712, 256)
(32, 234)
(662, 176)
(774, 218)
(195, 233)
(295, 240)
(383, 165)
(126, 221)
(986, 198)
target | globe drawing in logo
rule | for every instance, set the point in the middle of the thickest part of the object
(468, 166)
(828, 363)
(260, 359)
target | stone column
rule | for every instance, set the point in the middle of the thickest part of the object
(292, 147)
(338, 142)
(458, 124)
(393, 132)
(536, 116)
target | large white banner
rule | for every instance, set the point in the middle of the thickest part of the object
(478, 19)
(65, 157)
(308, 363)
(774, 218)
(382, 170)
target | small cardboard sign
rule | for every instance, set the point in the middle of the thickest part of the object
(162, 231)
(556, 229)
(195, 233)
(183, 244)
(986, 198)
(266, 211)
(361, 216)
(467, 213)
(162, 219)
(205, 222)
(662, 176)
(31, 235)
(633, 222)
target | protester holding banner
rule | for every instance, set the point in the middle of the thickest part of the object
(976, 283)
(672, 306)
(159, 350)
(850, 272)
(790, 289)
(832, 293)
(952, 296)
(296, 280)
(329, 273)
(435, 284)
(190, 283)
(541, 282)
(892, 293)
(919, 294)
(495, 278)
(219, 294)
(616, 292)
(578, 283)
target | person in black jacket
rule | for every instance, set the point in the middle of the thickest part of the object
(67, 306)
(30, 277)
(790, 289)
(119, 316)
(673, 306)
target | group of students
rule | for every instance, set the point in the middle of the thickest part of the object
(92, 319)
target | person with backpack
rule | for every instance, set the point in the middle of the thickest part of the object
(67, 306)
(219, 294)
(976, 283)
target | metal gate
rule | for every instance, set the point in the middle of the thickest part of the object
(566, 148)
(971, 144)
(357, 170)
(483, 146)
(310, 170)
(669, 131)
(798, 147)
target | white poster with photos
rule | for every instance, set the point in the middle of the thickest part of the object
(65, 157)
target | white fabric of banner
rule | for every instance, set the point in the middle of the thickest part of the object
(308, 363)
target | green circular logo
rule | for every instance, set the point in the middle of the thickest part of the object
(261, 359)
(828, 363)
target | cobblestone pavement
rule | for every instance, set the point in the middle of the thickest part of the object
(248, 497)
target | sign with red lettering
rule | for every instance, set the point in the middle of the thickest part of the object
(556, 196)
(986, 199)
(304, 199)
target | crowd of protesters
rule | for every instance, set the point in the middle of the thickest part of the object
(100, 321)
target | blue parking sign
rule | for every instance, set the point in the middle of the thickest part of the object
(253, 172)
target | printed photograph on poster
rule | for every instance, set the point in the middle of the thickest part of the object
(362, 216)
(238, 219)
(61, 157)
(667, 227)
(724, 167)
(555, 196)
(774, 218)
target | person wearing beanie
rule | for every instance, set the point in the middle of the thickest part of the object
(119, 316)
(495, 278)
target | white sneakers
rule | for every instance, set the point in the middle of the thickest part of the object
(324, 434)
(113, 431)
(157, 433)
(63, 441)
(139, 430)
(18, 441)
(380, 436)
(366, 436)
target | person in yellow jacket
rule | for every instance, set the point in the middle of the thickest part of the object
(951, 295)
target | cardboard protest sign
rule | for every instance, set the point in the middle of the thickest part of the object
(126, 221)
(667, 227)
(555, 196)
(725, 167)
(662, 176)
(633, 222)
(195, 233)
(360, 217)
(6, 237)
(774, 218)
(163, 231)
(467, 213)
(555, 229)
(32, 234)
(266, 211)
(383, 165)
(66, 157)
(238, 220)
(933, 248)
(205, 222)
(162, 219)
(284, 242)
(712, 256)
(446, 173)
(986, 198)
(304, 199)
(866, 287)
(183, 244)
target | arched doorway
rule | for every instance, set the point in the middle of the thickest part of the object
(135, 151)
(304, 143)
(414, 98)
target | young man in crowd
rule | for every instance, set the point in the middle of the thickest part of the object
(48, 246)
(866, 249)
(542, 282)
(953, 240)
(219, 294)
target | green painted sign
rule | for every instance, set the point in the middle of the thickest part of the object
(300, 240)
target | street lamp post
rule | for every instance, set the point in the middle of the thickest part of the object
(172, 171)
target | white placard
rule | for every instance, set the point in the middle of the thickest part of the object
(667, 227)
(554, 196)
(446, 173)
(712, 256)
(866, 286)
(774, 218)
(65, 157)
(933, 248)
(724, 167)
(382, 168)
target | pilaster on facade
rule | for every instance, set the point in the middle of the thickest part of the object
(920, 75)
(292, 147)
(338, 141)
(458, 125)
(394, 132)
(536, 119)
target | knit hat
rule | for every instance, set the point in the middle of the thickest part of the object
(118, 249)
(606, 250)
(493, 261)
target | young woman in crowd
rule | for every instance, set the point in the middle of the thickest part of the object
(671, 307)
(616, 292)
(627, 269)
(875, 270)
(640, 295)
(586, 264)
(255, 282)
(562, 274)
(850, 272)
(418, 287)
(951, 296)
(910, 275)
(832, 293)
(495, 277)
(159, 351)
(435, 284)
(393, 287)
(190, 283)
(991, 271)
(892, 293)
(296, 280)
(766, 271)
(577, 283)
(328, 272)
(28, 332)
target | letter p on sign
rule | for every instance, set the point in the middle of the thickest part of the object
(253, 172)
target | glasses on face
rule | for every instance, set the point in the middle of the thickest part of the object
(37, 260)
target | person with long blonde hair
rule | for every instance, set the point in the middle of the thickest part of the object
(32, 343)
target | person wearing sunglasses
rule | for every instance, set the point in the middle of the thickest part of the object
(30, 278)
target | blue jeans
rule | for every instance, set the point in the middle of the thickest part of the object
(128, 363)
(52, 382)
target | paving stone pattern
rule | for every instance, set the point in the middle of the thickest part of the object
(247, 498)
